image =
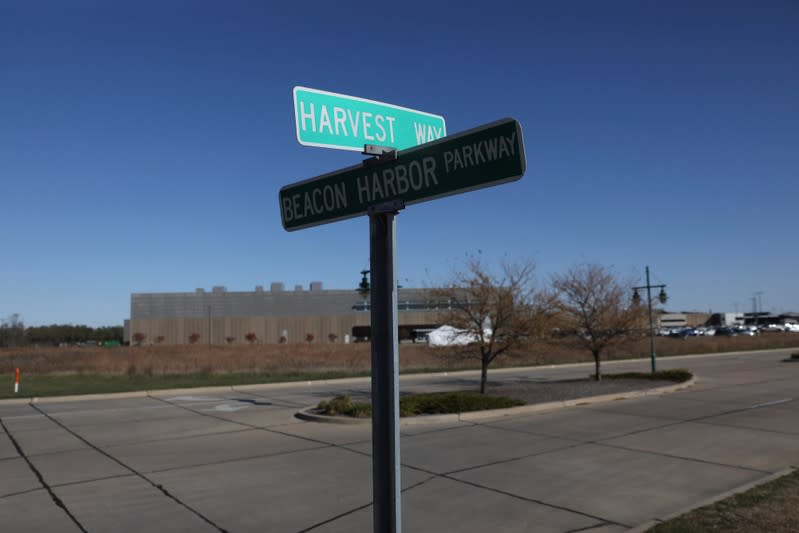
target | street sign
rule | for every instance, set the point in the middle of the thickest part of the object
(488, 155)
(344, 122)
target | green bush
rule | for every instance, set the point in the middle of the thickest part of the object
(343, 405)
(420, 404)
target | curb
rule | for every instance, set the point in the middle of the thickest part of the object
(713, 499)
(155, 393)
(308, 414)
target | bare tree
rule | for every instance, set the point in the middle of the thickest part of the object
(495, 312)
(595, 308)
(12, 331)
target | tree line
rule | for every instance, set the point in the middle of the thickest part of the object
(498, 310)
(13, 333)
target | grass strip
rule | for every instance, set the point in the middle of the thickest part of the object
(772, 507)
(73, 384)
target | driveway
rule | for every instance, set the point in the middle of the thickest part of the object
(238, 460)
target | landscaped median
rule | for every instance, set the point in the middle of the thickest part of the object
(524, 398)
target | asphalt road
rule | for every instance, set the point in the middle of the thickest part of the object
(240, 461)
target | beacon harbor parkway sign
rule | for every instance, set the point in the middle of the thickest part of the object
(484, 156)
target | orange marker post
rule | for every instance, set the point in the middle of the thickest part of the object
(16, 381)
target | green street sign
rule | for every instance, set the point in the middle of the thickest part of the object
(488, 155)
(344, 122)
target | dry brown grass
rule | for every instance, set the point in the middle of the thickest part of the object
(165, 360)
(309, 358)
(773, 507)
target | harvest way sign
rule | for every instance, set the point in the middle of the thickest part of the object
(332, 120)
(481, 157)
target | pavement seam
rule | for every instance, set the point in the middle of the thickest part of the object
(351, 511)
(514, 459)
(236, 459)
(157, 486)
(588, 528)
(681, 457)
(85, 481)
(20, 493)
(267, 429)
(774, 431)
(447, 476)
(168, 439)
(700, 419)
(333, 519)
(533, 500)
(56, 500)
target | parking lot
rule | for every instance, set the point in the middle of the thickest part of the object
(238, 460)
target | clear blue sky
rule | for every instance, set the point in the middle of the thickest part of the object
(143, 144)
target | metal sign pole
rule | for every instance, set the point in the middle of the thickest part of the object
(385, 374)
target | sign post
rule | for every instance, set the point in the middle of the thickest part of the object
(386, 489)
(380, 187)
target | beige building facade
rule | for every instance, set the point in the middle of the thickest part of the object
(270, 316)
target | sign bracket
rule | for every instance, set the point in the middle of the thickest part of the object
(383, 154)
(394, 206)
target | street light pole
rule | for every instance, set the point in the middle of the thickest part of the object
(758, 303)
(662, 298)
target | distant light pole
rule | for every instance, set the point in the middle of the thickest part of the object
(758, 304)
(365, 286)
(662, 298)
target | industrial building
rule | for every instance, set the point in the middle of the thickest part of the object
(276, 315)
(680, 320)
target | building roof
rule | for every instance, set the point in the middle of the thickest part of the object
(220, 302)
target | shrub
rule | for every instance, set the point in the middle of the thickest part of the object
(159, 339)
(421, 404)
(251, 337)
(283, 339)
(309, 338)
(230, 340)
(194, 337)
(332, 337)
(678, 375)
(343, 405)
(138, 338)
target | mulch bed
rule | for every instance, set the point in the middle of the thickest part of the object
(534, 392)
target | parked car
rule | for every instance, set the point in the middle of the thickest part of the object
(726, 331)
(683, 332)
